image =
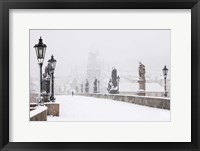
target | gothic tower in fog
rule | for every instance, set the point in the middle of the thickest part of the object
(93, 69)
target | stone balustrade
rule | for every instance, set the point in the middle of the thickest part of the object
(156, 102)
(39, 114)
(53, 108)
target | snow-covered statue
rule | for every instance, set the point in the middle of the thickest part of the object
(141, 80)
(95, 85)
(109, 85)
(114, 77)
(46, 83)
(47, 71)
(141, 69)
(113, 85)
(86, 86)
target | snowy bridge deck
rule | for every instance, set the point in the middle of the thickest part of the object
(82, 108)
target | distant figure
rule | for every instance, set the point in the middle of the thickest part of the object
(72, 93)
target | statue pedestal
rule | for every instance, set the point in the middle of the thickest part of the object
(141, 91)
(86, 90)
(95, 89)
(52, 108)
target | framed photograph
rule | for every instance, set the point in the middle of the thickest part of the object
(97, 75)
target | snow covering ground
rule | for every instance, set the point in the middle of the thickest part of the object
(81, 108)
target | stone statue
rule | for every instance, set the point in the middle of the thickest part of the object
(48, 69)
(141, 81)
(95, 85)
(95, 82)
(46, 83)
(109, 85)
(141, 69)
(114, 77)
(113, 85)
(86, 86)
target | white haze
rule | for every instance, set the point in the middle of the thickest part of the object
(120, 48)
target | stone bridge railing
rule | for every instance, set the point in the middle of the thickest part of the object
(156, 102)
(39, 114)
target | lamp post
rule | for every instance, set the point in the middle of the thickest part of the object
(165, 70)
(40, 50)
(52, 62)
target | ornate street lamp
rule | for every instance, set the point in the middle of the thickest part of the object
(165, 70)
(52, 63)
(40, 50)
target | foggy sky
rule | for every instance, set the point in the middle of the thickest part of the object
(120, 48)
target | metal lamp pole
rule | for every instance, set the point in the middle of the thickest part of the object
(52, 62)
(40, 50)
(165, 70)
(40, 67)
(52, 98)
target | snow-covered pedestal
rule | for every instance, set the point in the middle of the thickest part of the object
(39, 114)
(53, 108)
(141, 91)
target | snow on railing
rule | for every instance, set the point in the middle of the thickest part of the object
(156, 102)
(37, 111)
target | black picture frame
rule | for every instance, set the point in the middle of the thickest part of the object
(5, 5)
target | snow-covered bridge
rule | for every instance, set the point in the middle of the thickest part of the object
(82, 108)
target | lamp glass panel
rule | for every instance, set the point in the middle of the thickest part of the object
(44, 51)
(54, 65)
(40, 52)
(166, 71)
(163, 72)
(36, 50)
(50, 67)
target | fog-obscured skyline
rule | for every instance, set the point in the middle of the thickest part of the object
(123, 49)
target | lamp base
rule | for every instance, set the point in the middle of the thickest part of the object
(165, 94)
(52, 99)
(141, 92)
